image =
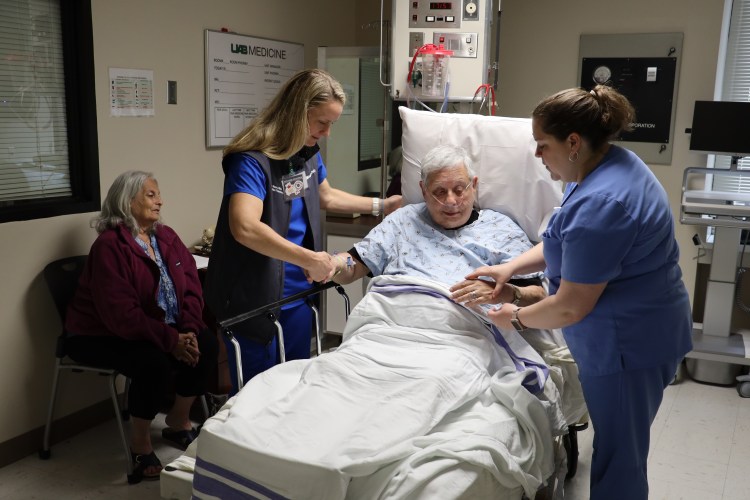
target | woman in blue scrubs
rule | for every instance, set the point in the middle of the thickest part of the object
(268, 241)
(616, 288)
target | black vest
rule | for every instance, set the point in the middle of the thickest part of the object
(238, 279)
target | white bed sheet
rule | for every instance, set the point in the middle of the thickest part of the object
(461, 454)
(415, 399)
(512, 181)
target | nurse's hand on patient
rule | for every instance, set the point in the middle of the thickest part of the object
(473, 292)
(500, 274)
(321, 268)
(500, 316)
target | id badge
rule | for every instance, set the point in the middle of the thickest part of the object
(294, 185)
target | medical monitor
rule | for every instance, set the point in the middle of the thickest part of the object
(721, 127)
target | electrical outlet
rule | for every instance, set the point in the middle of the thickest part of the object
(471, 10)
(416, 40)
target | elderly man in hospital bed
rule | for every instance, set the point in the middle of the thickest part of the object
(423, 399)
(441, 238)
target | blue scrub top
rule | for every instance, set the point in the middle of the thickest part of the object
(245, 175)
(617, 227)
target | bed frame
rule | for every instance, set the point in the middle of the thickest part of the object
(523, 191)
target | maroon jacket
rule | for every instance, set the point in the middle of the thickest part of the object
(117, 292)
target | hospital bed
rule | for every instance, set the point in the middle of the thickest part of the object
(344, 426)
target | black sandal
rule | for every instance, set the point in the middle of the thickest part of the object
(141, 462)
(181, 438)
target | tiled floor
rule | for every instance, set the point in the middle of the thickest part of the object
(88, 466)
(700, 446)
(700, 450)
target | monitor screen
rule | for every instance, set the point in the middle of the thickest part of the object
(721, 127)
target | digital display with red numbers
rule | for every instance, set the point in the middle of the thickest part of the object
(441, 5)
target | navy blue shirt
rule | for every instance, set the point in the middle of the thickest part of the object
(245, 175)
(617, 227)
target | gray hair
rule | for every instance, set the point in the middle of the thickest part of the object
(445, 156)
(116, 206)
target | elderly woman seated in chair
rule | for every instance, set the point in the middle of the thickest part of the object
(138, 309)
(444, 237)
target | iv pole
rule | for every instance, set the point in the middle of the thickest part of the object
(384, 64)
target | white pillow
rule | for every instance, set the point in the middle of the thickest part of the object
(511, 179)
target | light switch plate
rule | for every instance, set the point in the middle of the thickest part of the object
(171, 92)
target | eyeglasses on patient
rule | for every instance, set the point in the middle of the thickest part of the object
(459, 193)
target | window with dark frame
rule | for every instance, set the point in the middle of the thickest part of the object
(371, 100)
(735, 80)
(49, 160)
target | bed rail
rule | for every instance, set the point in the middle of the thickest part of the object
(268, 310)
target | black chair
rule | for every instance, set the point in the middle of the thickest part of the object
(61, 277)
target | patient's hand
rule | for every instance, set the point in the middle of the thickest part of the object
(501, 274)
(501, 316)
(321, 268)
(391, 204)
(474, 292)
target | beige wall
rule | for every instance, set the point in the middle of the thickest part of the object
(165, 36)
(539, 50)
(539, 55)
(368, 21)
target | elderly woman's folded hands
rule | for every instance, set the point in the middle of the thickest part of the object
(186, 349)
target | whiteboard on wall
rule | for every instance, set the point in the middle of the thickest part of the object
(243, 74)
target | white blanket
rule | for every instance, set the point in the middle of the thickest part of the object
(418, 399)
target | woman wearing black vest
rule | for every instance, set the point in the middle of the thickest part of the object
(268, 242)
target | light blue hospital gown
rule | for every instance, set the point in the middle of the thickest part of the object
(407, 242)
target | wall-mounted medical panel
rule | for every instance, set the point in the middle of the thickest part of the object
(645, 69)
(462, 26)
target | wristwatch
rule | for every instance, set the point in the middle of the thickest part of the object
(516, 294)
(517, 322)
